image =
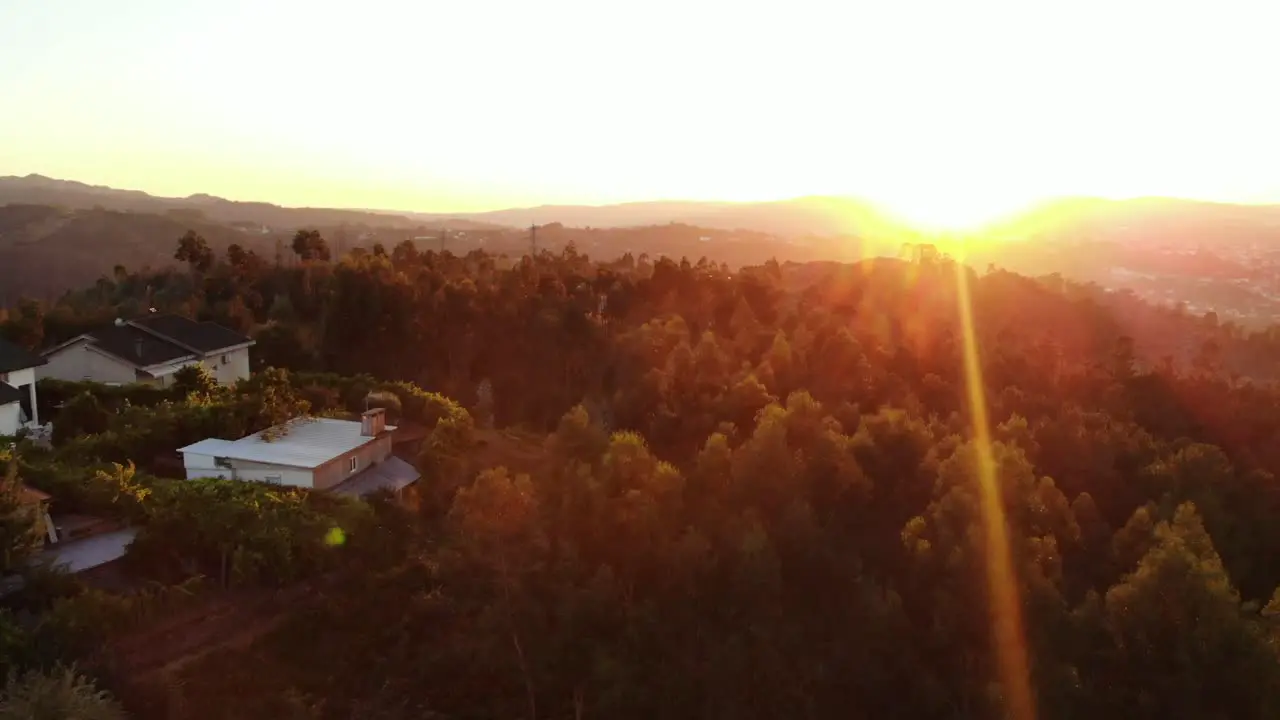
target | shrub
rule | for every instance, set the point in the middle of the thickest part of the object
(243, 532)
(60, 693)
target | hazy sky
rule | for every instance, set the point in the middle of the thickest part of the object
(938, 108)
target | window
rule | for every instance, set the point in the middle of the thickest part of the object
(355, 462)
(224, 359)
(273, 479)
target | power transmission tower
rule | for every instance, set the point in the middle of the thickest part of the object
(443, 234)
(533, 240)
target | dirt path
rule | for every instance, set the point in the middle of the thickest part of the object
(227, 620)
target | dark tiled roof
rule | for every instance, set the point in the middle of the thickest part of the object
(206, 337)
(136, 346)
(14, 357)
(9, 394)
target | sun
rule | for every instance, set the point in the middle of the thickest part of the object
(957, 220)
(951, 211)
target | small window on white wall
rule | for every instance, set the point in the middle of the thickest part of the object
(355, 462)
(273, 479)
(224, 359)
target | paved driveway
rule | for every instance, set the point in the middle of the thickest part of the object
(90, 552)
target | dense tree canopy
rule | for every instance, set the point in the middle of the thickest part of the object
(702, 494)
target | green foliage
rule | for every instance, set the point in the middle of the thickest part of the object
(758, 497)
(78, 624)
(194, 250)
(54, 395)
(194, 379)
(17, 648)
(101, 489)
(242, 532)
(21, 526)
(59, 694)
(80, 416)
(309, 245)
(1181, 641)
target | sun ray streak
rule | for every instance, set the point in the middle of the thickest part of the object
(1002, 586)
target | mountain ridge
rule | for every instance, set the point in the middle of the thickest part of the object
(791, 217)
(1184, 221)
(35, 189)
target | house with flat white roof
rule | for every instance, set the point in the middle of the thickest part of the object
(339, 456)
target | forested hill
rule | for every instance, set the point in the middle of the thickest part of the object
(324, 313)
(57, 235)
(46, 250)
(665, 489)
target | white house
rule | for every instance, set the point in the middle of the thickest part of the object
(150, 350)
(339, 456)
(17, 388)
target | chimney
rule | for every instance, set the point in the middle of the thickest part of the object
(373, 422)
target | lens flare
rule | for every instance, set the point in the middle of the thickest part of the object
(335, 537)
(1002, 587)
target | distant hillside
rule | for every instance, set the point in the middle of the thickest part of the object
(1146, 219)
(57, 234)
(40, 190)
(800, 217)
(619, 215)
(1145, 222)
(821, 216)
(46, 250)
(1168, 221)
